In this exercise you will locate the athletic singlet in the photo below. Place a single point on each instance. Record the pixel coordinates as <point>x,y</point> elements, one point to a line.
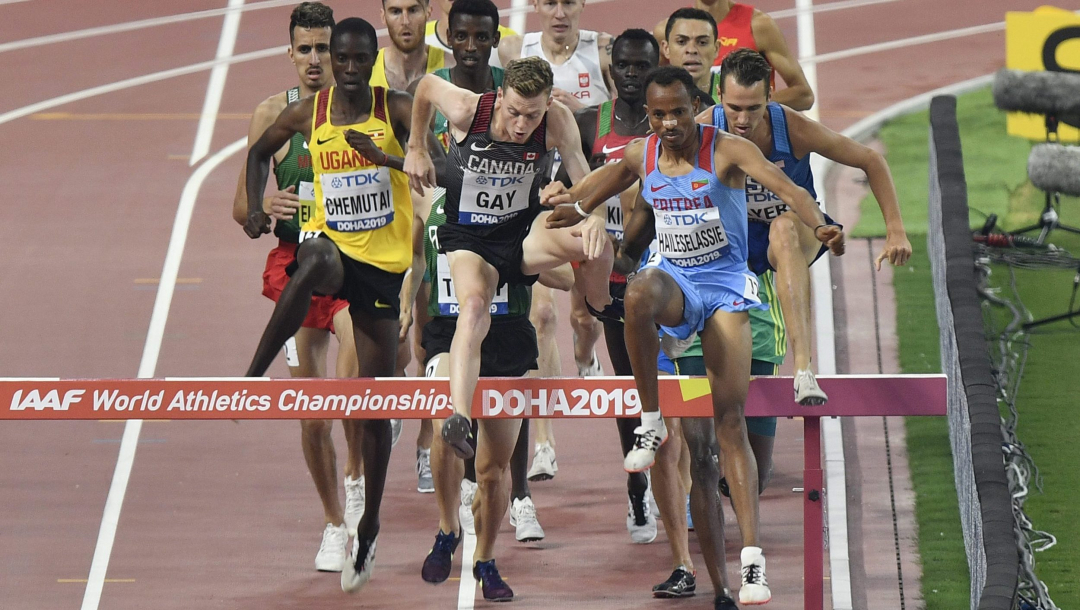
<point>436,58</point>
<point>295,171</point>
<point>610,146</point>
<point>761,204</point>
<point>735,31</point>
<point>510,299</point>
<point>431,37</point>
<point>442,128</point>
<point>580,75</point>
<point>700,222</point>
<point>490,183</point>
<point>364,208</point>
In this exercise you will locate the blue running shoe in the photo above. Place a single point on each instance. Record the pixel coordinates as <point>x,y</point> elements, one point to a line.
<point>440,560</point>
<point>495,588</point>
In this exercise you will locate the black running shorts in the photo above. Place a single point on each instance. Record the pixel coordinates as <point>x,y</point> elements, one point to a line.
<point>509,350</point>
<point>500,246</point>
<point>370,291</point>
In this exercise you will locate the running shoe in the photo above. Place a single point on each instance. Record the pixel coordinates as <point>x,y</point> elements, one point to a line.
<point>332,551</point>
<point>395,431</point>
<point>523,520</point>
<point>807,392</point>
<point>681,583</point>
<point>358,566</point>
<point>724,602</point>
<point>689,517</point>
<point>593,369</point>
<point>495,588</point>
<point>651,497</point>
<point>672,347</point>
<point>354,502</point>
<point>640,520</point>
<point>724,489</point>
<point>440,561</point>
<point>457,431</point>
<point>647,442</point>
<point>544,465</point>
<point>424,484</point>
<point>755,590</point>
<point>465,514</point>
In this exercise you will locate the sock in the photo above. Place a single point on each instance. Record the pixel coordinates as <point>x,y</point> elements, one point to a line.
<point>652,420</point>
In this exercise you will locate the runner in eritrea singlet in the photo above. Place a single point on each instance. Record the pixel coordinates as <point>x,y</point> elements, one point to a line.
<point>735,31</point>
<point>365,209</point>
<point>489,184</point>
<point>295,171</point>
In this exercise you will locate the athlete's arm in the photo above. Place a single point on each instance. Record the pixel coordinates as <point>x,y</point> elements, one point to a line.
<point>295,118</point>
<point>637,235</point>
<point>809,136</point>
<point>509,48</point>
<point>456,104</point>
<point>563,135</point>
<point>735,152</point>
<point>281,204</point>
<point>586,121</point>
<point>595,188</point>
<point>770,41</point>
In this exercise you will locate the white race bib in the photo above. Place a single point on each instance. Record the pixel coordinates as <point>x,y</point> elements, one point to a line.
<point>448,303</point>
<point>761,204</point>
<point>614,214</point>
<point>690,238</point>
<point>358,201</point>
<point>491,199</point>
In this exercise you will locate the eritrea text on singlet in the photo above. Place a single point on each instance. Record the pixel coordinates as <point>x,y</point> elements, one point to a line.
<point>364,208</point>
<point>490,183</point>
<point>510,299</point>
<point>295,171</point>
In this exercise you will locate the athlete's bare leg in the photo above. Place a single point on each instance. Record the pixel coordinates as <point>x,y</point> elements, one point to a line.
<point>494,448</point>
<point>315,439</point>
<point>726,344</point>
<point>346,367</point>
<point>544,315</point>
<point>586,329</point>
<point>420,320</point>
<point>446,470</point>
<point>670,494</point>
<point>792,248</point>
<point>545,249</point>
<point>475,281</point>
<point>705,508</point>
<point>652,298</point>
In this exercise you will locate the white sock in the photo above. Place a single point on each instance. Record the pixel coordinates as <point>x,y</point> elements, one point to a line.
<point>652,420</point>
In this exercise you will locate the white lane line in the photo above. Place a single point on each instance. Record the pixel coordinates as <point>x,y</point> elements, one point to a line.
<point>147,366</point>
<point>128,26</point>
<point>835,471</point>
<point>905,42</point>
<point>230,28</point>
<point>467,587</point>
<point>12,1</point>
<point>518,9</point>
<point>827,7</point>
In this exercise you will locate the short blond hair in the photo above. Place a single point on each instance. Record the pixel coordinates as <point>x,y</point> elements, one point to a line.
<point>529,76</point>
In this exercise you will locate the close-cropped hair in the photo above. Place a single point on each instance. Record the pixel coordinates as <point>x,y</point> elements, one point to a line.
<point>695,14</point>
<point>475,8</point>
<point>669,75</point>
<point>310,15</point>
<point>529,76</point>
<point>639,35</point>
<point>354,25</point>
<point>747,67</point>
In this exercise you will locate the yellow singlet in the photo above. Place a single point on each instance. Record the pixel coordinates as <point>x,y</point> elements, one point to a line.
<point>436,58</point>
<point>364,208</point>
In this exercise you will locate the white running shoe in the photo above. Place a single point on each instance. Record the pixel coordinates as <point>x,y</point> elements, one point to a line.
<point>755,590</point>
<point>650,497</point>
<point>332,551</point>
<point>424,484</point>
<point>593,369</point>
<point>640,520</point>
<point>807,392</point>
<point>354,502</point>
<point>465,514</point>
<point>647,442</point>
<point>395,431</point>
<point>673,348</point>
<point>353,576</point>
<point>544,465</point>
<point>523,519</point>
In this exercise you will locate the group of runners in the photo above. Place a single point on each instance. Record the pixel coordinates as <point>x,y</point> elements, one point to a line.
<point>452,182</point>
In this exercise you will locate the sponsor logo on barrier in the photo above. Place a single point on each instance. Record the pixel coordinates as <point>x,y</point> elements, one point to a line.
<point>567,403</point>
<point>51,400</point>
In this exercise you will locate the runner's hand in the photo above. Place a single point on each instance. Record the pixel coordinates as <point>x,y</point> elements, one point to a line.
<point>567,99</point>
<point>257,224</point>
<point>282,205</point>
<point>363,144</point>
<point>897,251</point>
<point>832,236</point>
<point>593,235</point>
<point>555,193</point>
<point>420,169</point>
<point>563,216</point>
<point>405,320</point>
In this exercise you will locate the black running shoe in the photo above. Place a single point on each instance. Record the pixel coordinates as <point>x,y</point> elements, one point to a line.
<point>440,560</point>
<point>680,584</point>
<point>723,602</point>
<point>456,432</point>
<point>724,489</point>
<point>495,588</point>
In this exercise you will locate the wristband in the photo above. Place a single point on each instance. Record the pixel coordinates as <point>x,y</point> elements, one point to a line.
<point>579,210</point>
<point>819,226</point>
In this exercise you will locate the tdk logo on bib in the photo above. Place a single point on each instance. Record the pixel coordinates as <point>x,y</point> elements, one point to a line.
<point>685,219</point>
<point>490,199</point>
<point>358,201</point>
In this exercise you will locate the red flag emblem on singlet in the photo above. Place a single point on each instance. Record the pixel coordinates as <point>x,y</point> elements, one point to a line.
<point>698,184</point>
<point>583,80</point>
<point>530,156</point>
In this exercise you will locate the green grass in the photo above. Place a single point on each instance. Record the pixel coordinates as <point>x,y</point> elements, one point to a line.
<point>994,165</point>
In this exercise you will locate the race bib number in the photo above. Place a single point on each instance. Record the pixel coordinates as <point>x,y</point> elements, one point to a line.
<point>761,204</point>
<point>491,199</point>
<point>358,201</point>
<point>448,303</point>
<point>614,222</point>
<point>691,238</point>
<point>306,194</point>
<point>750,290</point>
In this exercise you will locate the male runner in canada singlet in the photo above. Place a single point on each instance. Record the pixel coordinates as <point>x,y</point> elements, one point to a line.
<point>698,281</point>
<point>500,147</point>
<point>357,245</point>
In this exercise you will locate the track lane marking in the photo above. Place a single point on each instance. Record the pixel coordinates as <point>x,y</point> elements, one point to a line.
<point>215,89</point>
